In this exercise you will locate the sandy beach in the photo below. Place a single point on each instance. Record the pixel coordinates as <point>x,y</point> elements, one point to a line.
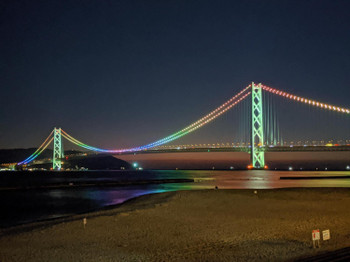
<point>207,225</point>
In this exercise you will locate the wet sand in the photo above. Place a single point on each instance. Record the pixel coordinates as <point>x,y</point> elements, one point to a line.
<point>208,225</point>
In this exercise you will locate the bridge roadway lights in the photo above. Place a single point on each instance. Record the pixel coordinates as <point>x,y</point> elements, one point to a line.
<point>257,153</point>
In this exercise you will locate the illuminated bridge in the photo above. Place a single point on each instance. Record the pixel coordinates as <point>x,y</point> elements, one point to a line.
<point>263,132</point>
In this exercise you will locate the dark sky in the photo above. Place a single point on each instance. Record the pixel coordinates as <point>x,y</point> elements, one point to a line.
<point>125,73</point>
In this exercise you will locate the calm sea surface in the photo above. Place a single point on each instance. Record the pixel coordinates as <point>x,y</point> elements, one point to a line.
<point>24,206</point>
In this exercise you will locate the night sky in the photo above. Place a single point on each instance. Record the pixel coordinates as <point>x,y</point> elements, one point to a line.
<point>125,73</point>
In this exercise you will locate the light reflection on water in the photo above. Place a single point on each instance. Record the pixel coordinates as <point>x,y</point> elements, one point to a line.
<point>31,205</point>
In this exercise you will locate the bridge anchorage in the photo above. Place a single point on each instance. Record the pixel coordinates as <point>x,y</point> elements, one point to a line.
<point>256,149</point>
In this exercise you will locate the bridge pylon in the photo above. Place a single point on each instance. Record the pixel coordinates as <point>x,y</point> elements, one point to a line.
<point>58,152</point>
<point>257,140</point>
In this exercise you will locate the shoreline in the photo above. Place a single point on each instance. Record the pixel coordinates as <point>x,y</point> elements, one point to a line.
<point>27,226</point>
<point>128,205</point>
<point>142,202</point>
<point>219,225</point>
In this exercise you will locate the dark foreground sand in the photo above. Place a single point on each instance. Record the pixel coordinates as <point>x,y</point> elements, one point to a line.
<point>210,225</point>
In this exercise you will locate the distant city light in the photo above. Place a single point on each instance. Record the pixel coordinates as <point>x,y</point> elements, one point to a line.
<point>135,164</point>
<point>290,168</point>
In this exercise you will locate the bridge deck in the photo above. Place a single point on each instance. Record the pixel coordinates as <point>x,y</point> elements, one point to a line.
<point>243,149</point>
<point>220,149</point>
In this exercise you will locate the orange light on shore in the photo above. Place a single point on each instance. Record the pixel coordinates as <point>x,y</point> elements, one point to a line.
<point>266,167</point>
<point>250,167</point>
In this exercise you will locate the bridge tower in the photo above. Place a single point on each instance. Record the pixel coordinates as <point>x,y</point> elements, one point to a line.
<point>257,141</point>
<point>58,152</point>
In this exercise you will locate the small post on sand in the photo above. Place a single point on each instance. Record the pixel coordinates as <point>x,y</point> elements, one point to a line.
<point>84,222</point>
<point>316,237</point>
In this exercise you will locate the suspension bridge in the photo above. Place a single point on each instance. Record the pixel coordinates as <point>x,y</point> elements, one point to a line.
<point>256,147</point>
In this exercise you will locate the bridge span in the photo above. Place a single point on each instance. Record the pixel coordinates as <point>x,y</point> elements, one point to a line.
<point>258,132</point>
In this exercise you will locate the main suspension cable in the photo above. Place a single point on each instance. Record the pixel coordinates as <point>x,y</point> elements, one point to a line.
<point>40,149</point>
<point>201,122</point>
<point>305,100</point>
